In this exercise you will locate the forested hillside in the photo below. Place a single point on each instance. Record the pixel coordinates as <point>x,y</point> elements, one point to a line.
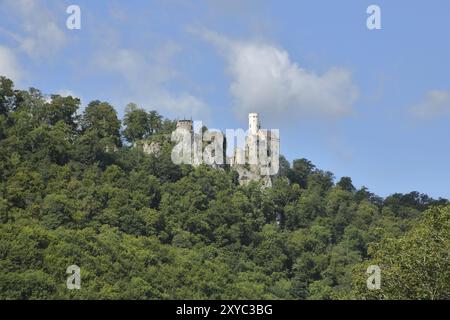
<point>74,190</point>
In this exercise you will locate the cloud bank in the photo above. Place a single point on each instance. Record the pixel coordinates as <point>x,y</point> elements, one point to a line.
<point>265,79</point>
<point>39,34</point>
<point>146,74</point>
<point>435,104</point>
<point>9,66</point>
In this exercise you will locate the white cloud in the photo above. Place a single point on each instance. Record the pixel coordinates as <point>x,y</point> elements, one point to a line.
<point>264,79</point>
<point>40,34</point>
<point>9,67</point>
<point>435,104</point>
<point>66,93</point>
<point>136,67</point>
<point>181,105</point>
<point>118,12</point>
<point>146,74</point>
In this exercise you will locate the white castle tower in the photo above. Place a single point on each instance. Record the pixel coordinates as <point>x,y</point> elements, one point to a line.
<point>253,123</point>
<point>258,154</point>
<point>252,141</point>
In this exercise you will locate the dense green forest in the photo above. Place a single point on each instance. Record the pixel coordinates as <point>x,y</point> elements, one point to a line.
<point>74,190</point>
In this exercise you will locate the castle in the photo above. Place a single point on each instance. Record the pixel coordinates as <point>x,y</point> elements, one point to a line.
<point>255,160</point>
<point>261,154</point>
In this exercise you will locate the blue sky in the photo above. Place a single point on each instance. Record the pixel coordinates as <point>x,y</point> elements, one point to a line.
<point>370,104</point>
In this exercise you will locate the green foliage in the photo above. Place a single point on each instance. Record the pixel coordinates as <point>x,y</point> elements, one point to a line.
<point>101,119</point>
<point>141,227</point>
<point>138,123</point>
<point>413,266</point>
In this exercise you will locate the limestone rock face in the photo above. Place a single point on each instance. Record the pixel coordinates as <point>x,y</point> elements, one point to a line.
<point>248,174</point>
<point>152,148</point>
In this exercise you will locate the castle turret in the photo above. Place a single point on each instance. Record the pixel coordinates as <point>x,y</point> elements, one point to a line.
<point>253,123</point>
<point>185,124</point>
